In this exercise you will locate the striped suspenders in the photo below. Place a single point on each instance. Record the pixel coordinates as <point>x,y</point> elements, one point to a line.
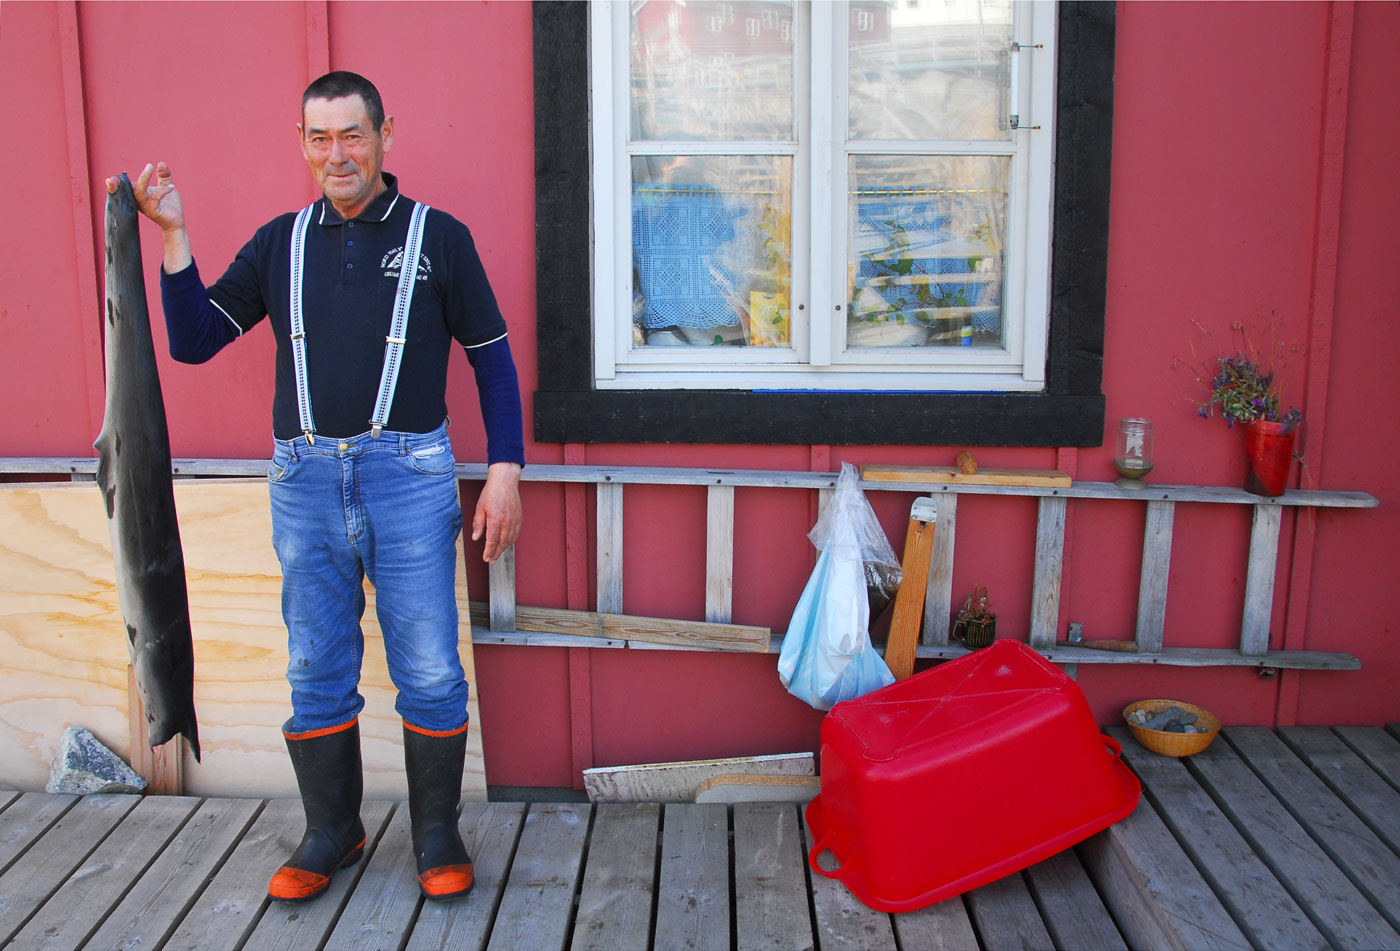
<point>398,331</point>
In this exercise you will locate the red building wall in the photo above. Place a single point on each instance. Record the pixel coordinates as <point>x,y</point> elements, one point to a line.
<point>1252,181</point>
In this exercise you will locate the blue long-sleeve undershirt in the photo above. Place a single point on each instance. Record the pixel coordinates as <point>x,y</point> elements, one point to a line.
<point>198,329</point>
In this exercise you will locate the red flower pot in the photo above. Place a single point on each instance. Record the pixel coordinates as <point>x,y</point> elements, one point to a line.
<point>1268,449</point>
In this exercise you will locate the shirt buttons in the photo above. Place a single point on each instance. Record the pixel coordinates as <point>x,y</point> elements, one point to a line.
<point>350,267</point>
<point>350,223</point>
<point>351,243</point>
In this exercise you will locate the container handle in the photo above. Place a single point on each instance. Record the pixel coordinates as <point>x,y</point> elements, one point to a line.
<point>1113,745</point>
<point>817,850</point>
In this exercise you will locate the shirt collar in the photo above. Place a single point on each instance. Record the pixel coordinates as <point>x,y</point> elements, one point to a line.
<point>377,210</point>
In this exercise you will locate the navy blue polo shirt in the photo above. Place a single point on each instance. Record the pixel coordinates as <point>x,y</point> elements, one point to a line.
<point>350,279</point>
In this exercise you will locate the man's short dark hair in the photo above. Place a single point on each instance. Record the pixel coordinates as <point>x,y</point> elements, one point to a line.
<point>341,83</point>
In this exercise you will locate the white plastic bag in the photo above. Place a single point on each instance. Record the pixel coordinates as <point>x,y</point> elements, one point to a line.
<point>827,656</point>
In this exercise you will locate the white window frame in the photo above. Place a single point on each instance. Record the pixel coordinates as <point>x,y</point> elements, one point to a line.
<point>818,359</point>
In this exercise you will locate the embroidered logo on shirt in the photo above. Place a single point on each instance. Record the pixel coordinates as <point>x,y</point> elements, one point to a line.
<point>394,260</point>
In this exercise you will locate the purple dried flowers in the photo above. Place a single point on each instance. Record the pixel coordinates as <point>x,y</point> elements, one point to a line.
<point>1244,390</point>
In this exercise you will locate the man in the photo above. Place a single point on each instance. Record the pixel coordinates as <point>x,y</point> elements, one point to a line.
<point>365,291</point>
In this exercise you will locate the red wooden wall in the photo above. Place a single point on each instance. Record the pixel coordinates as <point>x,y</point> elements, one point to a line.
<point>1253,180</point>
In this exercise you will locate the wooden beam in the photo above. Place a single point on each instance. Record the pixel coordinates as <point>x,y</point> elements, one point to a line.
<point>719,554</point>
<point>610,547</point>
<point>693,634</point>
<point>938,597</point>
<point>501,582</point>
<point>953,476</point>
<point>1259,580</point>
<point>1156,562</point>
<point>909,601</point>
<point>1049,562</point>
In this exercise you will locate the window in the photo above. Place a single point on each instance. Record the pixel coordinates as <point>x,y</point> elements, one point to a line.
<point>574,403</point>
<point>919,261</point>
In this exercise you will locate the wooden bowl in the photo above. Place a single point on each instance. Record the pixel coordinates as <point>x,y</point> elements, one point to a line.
<point>1172,744</point>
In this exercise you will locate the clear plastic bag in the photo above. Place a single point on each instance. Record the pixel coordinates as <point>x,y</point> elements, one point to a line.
<point>827,656</point>
<point>883,573</point>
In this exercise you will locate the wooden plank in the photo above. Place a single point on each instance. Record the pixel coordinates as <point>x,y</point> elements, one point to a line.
<point>307,924</point>
<point>150,911</point>
<point>622,627</point>
<point>770,891</point>
<point>619,880</point>
<point>41,870</point>
<point>951,475</point>
<point>1006,916</point>
<point>1155,893</point>
<point>1333,903</point>
<point>1049,567</point>
<point>7,796</point>
<point>1173,657</point>
<point>1256,900</point>
<point>1072,910</point>
<point>161,767</point>
<point>489,831</point>
<point>536,908</point>
<point>1359,852</point>
<point>1351,776</point>
<point>732,787</point>
<point>909,601</point>
<point>1156,565</point>
<point>501,591</point>
<point>25,819</point>
<point>945,926</point>
<point>484,635</point>
<point>610,548</point>
<point>1259,579</point>
<point>842,921</point>
<point>679,781</point>
<point>938,597</point>
<point>81,903</point>
<point>380,910</point>
<point>719,554</point>
<point>1379,748</point>
<point>692,895</point>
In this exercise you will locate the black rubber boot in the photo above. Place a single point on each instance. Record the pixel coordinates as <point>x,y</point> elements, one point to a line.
<point>434,763</point>
<point>327,765</point>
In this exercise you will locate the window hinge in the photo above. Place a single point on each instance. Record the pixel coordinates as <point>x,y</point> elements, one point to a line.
<point>1014,119</point>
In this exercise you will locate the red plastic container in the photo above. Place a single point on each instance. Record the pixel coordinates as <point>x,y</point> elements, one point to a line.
<point>1268,449</point>
<point>961,775</point>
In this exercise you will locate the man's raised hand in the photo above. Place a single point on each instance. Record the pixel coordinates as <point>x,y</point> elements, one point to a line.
<point>158,201</point>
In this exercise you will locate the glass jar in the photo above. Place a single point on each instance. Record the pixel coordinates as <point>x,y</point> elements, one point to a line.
<point>1133,454</point>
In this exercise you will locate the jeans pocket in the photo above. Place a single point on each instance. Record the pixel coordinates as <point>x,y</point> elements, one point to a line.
<point>280,465</point>
<point>433,460</point>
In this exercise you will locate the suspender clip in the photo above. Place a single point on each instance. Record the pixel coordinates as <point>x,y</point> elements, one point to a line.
<point>398,340</point>
<point>310,437</point>
<point>375,430</point>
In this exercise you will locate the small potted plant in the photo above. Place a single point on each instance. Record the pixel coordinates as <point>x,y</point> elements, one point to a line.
<point>976,624</point>
<point>1249,394</point>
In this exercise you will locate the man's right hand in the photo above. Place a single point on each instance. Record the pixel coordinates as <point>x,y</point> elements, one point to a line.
<point>160,202</point>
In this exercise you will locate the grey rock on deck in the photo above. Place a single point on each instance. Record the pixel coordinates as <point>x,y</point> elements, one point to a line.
<point>1286,839</point>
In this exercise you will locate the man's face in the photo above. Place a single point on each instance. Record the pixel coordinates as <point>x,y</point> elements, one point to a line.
<point>345,151</point>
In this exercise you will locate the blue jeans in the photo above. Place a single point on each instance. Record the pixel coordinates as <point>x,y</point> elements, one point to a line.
<point>385,508</point>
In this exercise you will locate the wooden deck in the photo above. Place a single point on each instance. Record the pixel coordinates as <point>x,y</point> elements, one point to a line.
<point>1269,839</point>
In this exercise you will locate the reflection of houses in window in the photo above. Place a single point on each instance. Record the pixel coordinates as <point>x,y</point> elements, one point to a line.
<point>715,24</point>
<point>751,26</point>
<point>864,21</point>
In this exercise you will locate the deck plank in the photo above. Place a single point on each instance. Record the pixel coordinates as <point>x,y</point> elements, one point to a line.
<point>1380,748</point>
<point>308,924</point>
<point>1345,918</point>
<point>490,831</point>
<point>1350,777</point>
<point>44,867</point>
<point>1251,892</point>
<point>27,818</point>
<point>945,926</point>
<point>7,796</point>
<point>692,896</point>
<point>1006,916</point>
<point>1074,913</point>
<point>536,908</point>
<point>1157,896</point>
<point>81,903</point>
<point>1359,852</point>
<point>619,878</point>
<point>770,889</point>
<point>385,899</point>
<point>161,896</point>
<point>842,921</point>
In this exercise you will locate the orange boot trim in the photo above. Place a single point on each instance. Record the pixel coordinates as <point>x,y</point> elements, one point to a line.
<point>327,731</point>
<point>447,882</point>
<point>439,733</point>
<point>295,884</point>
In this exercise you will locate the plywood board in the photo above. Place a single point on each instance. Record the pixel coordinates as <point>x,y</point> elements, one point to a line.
<point>950,475</point>
<point>679,782</point>
<point>66,658</point>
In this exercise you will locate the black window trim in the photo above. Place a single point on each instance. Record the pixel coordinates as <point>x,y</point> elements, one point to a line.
<point>1069,412</point>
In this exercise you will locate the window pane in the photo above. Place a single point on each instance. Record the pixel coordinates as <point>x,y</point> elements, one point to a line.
<point>931,70</point>
<point>926,243</point>
<point>711,71</point>
<point>712,250</point>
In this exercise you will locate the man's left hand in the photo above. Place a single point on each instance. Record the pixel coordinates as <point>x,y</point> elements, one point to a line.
<point>498,510</point>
